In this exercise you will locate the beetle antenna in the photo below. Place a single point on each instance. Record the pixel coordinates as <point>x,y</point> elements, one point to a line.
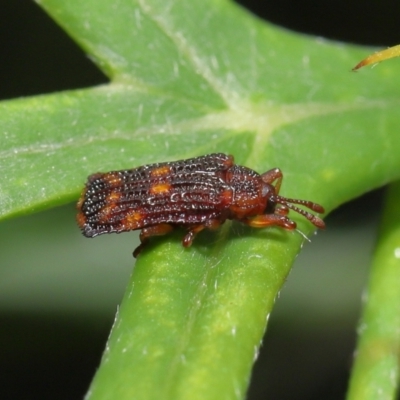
<point>309,204</point>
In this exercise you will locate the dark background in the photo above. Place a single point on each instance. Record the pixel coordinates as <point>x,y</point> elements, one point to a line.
<point>53,354</point>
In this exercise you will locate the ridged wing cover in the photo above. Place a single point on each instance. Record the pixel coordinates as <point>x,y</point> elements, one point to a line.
<point>186,192</point>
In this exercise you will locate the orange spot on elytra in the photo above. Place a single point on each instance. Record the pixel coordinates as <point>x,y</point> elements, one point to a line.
<point>133,220</point>
<point>160,188</point>
<point>112,179</point>
<point>165,170</point>
<point>106,212</point>
<point>113,197</point>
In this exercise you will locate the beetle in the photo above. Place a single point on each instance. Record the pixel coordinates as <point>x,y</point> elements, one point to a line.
<point>196,193</point>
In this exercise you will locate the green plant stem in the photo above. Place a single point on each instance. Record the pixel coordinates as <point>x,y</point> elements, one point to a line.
<point>376,369</point>
<point>190,324</point>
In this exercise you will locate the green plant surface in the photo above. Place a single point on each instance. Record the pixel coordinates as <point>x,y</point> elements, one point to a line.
<point>190,78</point>
<point>376,370</point>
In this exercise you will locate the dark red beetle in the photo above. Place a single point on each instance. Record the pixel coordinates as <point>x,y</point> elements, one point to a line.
<point>196,193</point>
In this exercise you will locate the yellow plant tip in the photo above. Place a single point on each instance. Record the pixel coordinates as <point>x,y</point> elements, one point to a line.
<point>379,56</point>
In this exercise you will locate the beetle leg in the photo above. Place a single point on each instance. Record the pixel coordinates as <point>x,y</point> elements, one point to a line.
<point>264,220</point>
<point>281,210</point>
<point>193,231</point>
<point>271,176</point>
<point>146,233</point>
